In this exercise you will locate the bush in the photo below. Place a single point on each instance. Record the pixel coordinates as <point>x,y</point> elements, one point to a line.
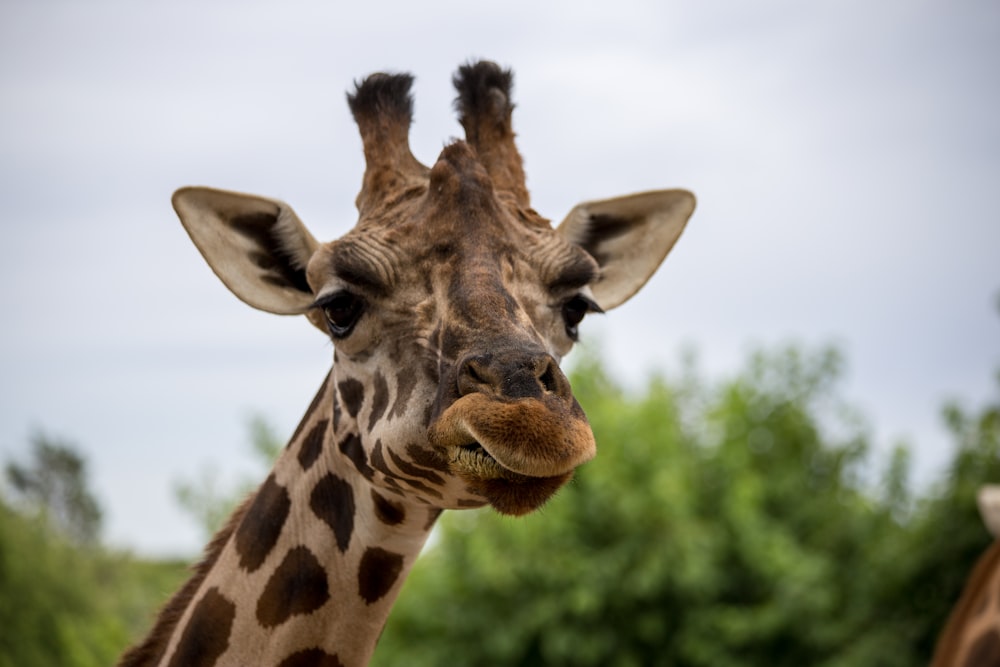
<point>734,525</point>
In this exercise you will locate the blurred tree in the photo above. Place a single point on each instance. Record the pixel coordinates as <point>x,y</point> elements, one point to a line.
<point>65,600</point>
<point>49,600</point>
<point>731,525</point>
<point>54,483</point>
<point>946,529</point>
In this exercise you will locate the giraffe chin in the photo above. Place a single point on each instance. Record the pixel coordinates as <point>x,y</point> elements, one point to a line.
<point>518,497</point>
<point>506,491</point>
<point>514,440</point>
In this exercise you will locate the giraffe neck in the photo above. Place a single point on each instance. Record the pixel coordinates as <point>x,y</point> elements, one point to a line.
<point>307,570</point>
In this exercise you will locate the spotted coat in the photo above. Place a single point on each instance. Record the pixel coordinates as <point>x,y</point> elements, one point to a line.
<point>449,305</point>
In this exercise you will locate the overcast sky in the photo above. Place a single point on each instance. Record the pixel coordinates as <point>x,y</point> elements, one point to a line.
<point>845,154</point>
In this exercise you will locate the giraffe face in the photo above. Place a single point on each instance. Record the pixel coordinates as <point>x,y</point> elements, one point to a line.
<point>450,303</point>
<point>452,309</point>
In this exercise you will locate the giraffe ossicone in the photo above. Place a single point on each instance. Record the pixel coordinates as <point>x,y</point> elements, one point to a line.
<point>450,305</point>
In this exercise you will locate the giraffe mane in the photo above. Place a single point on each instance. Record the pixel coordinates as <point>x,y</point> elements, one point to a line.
<point>152,649</point>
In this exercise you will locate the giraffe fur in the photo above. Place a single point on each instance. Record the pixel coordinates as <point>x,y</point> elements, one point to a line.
<point>449,304</point>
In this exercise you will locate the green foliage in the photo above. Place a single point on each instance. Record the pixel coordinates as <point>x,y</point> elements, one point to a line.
<point>42,609</point>
<point>947,529</point>
<point>733,524</point>
<point>54,484</point>
<point>64,600</point>
<point>728,525</point>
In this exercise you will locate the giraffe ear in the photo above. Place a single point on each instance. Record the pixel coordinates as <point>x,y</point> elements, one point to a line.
<point>258,247</point>
<point>629,237</point>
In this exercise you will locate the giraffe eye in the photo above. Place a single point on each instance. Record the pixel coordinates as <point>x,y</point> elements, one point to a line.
<point>342,311</point>
<point>573,312</point>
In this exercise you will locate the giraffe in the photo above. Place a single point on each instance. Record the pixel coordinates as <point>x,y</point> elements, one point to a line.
<point>971,637</point>
<point>449,304</point>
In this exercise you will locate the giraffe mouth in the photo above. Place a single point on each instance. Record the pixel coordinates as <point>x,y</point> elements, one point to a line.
<point>487,438</point>
<point>473,458</point>
<point>475,451</point>
<point>506,491</point>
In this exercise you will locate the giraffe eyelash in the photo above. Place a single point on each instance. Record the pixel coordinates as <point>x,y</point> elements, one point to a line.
<point>342,310</point>
<point>573,310</point>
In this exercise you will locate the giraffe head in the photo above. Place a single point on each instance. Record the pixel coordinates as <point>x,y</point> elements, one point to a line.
<point>451,301</point>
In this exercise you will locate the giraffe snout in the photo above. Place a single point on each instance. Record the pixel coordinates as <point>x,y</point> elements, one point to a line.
<point>513,376</point>
<point>514,418</point>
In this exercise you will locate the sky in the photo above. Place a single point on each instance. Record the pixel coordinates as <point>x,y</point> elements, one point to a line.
<point>845,155</point>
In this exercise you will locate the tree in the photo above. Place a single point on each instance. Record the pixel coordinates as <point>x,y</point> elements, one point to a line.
<point>946,534</point>
<point>65,600</point>
<point>54,484</point>
<point>45,603</point>
<point>726,525</point>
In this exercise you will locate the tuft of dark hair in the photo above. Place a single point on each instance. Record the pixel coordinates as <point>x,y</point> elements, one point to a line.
<point>382,94</point>
<point>478,84</point>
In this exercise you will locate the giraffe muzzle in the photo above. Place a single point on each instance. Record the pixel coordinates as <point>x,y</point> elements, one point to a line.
<point>531,437</point>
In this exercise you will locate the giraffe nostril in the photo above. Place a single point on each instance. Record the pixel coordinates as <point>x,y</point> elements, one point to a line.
<point>548,379</point>
<point>512,376</point>
<point>474,375</point>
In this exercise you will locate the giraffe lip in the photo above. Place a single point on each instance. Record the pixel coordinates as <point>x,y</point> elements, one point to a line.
<point>474,459</point>
<point>508,492</point>
<point>525,438</point>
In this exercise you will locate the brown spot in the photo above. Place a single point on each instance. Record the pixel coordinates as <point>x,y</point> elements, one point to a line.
<point>387,511</point>
<point>352,393</point>
<point>298,586</point>
<point>151,650</point>
<point>317,399</point>
<point>985,651</point>
<point>260,528</point>
<point>411,469</point>
<point>312,444</point>
<point>379,462</point>
<point>311,657</point>
<point>352,448</point>
<point>378,572</point>
<point>420,486</point>
<point>427,457</point>
<point>380,400</point>
<point>206,636</point>
<point>332,500</point>
<point>405,384</point>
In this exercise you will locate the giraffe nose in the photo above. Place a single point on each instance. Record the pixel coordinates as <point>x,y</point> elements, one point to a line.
<point>512,375</point>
